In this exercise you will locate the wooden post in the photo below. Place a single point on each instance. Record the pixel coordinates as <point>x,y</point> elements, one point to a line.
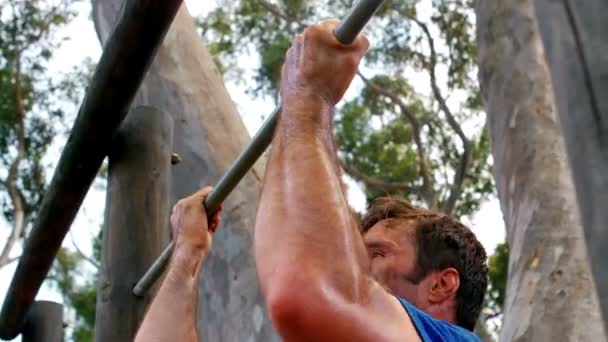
<point>574,37</point>
<point>44,323</point>
<point>125,60</point>
<point>136,219</point>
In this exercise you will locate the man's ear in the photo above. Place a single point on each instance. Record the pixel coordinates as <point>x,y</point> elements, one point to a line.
<point>445,284</point>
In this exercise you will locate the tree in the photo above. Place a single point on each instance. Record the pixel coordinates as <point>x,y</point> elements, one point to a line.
<point>209,134</point>
<point>402,134</point>
<point>579,79</point>
<point>33,111</point>
<point>550,294</point>
<point>498,266</point>
<point>28,107</point>
<point>80,295</point>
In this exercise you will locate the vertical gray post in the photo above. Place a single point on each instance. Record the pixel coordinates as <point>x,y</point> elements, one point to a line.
<point>43,323</point>
<point>574,37</point>
<point>136,219</point>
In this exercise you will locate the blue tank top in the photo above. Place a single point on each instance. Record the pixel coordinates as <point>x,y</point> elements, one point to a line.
<point>434,330</point>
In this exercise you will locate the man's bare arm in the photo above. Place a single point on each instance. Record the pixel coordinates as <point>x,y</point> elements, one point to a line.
<point>311,260</point>
<point>172,313</point>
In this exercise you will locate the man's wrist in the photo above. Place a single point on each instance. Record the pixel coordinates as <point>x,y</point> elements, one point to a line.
<point>187,259</point>
<point>307,106</point>
<point>306,115</point>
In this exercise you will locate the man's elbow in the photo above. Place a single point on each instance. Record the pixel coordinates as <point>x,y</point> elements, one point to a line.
<point>283,309</point>
<point>292,307</point>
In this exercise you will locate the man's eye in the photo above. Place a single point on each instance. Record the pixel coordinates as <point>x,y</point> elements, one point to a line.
<point>376,254</point>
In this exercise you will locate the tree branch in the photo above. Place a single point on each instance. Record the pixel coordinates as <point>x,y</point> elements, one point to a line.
<point>280,15</point>
<point>9,261</point>
<point>389,187</point>
<point>426,192</point>
<point>13,173</point>
<point>83,255</point>
<point>464,164</point>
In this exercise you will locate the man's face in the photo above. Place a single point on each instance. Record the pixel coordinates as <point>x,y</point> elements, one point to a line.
<point>392,252</point>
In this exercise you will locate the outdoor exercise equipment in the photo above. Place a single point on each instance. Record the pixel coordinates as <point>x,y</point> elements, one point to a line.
<point>346,33</point>
<point>127,55</point>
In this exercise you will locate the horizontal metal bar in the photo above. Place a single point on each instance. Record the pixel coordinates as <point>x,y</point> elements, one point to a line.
<point>355,21</point>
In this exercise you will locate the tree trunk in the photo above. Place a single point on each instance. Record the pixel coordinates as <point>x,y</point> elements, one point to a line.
<point>574,36</point>
<point>550,294</point>
<point>208,135</point>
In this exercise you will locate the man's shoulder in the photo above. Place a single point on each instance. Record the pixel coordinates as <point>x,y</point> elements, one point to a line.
<point>432,330</point>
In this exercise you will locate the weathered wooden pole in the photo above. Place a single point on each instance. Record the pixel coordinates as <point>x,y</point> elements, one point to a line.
<point>123,64</point>
<point>43,323</point>
<point>136,219</point>
<point>574,37</point>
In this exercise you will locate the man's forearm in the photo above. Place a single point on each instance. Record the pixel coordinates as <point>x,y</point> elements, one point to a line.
<point>172,314</point>
<point>303,215</point>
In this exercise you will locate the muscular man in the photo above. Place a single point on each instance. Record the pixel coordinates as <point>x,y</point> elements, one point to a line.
<point>321,279</point>
<point>408,274</point>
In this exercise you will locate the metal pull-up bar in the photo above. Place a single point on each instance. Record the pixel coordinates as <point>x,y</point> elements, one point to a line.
<point>346,33</point>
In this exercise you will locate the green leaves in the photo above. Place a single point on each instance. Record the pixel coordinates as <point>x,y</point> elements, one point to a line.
<point>32,106</point>
<point>400,134</point>
<point>80,296</point>
<point>27,39</point>
<point>374,142</point>
<point>498,271</point>
<point>456,26</point>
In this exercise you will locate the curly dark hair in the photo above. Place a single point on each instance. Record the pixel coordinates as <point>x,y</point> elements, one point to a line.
<point>441,242</point>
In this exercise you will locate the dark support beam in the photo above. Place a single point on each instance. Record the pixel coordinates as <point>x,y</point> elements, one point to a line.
<point>346,33</point>
<point>125,60</point>
<point>43,323</point>
<point>574,37</point>
<point>136,219</point>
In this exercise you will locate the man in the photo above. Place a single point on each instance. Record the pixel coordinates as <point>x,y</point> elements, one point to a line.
<point>323,279</point>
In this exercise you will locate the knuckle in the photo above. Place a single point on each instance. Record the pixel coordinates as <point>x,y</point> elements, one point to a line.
<point>364,43</point>
<point>312,31</point>
<point>351,62</point>
<point>330,23</point>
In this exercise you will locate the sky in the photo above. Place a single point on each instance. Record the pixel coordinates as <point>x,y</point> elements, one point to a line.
<point>487,224</point>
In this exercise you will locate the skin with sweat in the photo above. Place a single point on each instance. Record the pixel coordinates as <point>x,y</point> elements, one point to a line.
<point>312,263</point>
<point>175,303</point>
<point>321,279</point>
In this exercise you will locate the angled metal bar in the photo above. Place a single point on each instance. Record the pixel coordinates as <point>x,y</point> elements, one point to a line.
<point>346,33</point>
